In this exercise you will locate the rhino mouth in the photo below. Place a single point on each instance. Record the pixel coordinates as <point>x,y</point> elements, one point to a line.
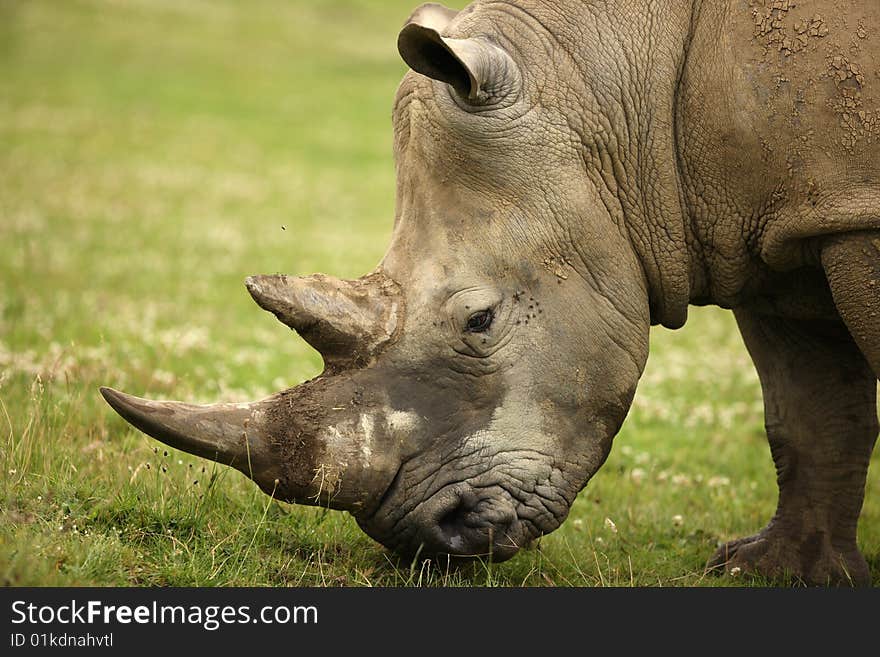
<point>486,517</point>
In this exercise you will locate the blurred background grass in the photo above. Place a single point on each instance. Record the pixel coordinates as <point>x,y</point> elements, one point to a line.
<point>152,155</point>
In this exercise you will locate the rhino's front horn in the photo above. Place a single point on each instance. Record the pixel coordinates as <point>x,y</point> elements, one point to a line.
<point>324,442</point>
<point>231,434</point>
<point>346,321</point>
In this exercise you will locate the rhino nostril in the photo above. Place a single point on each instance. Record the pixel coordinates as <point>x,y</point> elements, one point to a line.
<point>452,522</point>
<point>476,526</point>
<point>462,529</point>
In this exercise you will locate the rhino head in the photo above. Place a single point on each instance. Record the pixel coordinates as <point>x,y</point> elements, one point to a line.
<point>475,379</point>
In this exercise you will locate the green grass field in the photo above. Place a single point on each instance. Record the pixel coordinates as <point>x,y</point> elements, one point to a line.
<point>152,155</point>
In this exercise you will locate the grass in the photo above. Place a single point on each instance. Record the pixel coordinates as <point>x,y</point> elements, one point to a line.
<point>152,155</point>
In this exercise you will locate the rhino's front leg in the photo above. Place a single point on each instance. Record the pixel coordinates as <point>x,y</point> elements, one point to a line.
<point>821,418</point>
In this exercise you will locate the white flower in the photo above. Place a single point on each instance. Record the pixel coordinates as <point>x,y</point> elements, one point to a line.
<point>736,570</point>
<point>718,482</point>
<point>609,524</point>
<point>637,475</point>
<point>677,520</point>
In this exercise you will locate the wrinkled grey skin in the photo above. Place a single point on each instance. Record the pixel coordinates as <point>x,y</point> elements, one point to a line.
<point>570,173</point>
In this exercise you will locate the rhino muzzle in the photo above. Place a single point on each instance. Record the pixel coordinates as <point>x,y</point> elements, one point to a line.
<point>463,522</point>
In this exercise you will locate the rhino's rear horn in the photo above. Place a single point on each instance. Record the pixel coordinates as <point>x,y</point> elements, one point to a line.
<point>346,321</point>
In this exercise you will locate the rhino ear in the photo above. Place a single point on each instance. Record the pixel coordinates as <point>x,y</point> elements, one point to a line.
<point>481,72</point>
<point>433,15</point>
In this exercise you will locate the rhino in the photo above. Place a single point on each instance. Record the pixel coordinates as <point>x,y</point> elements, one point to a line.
<point>570,173</point>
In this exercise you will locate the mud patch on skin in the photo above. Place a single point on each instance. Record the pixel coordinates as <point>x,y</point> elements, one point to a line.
<point>821,61</point>
<point>778,32</point>
<point>333,450</point>
<point>401,424</point>
<point>326,482</point>
<point>782,34</point>
<point>557,265</point>
<point>859,122</point>
<point>293,423</point>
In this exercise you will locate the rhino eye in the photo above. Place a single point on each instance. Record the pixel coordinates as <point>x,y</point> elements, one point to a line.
<point>479,321</point>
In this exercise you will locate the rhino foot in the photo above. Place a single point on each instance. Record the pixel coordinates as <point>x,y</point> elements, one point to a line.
<point>810,560</point>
